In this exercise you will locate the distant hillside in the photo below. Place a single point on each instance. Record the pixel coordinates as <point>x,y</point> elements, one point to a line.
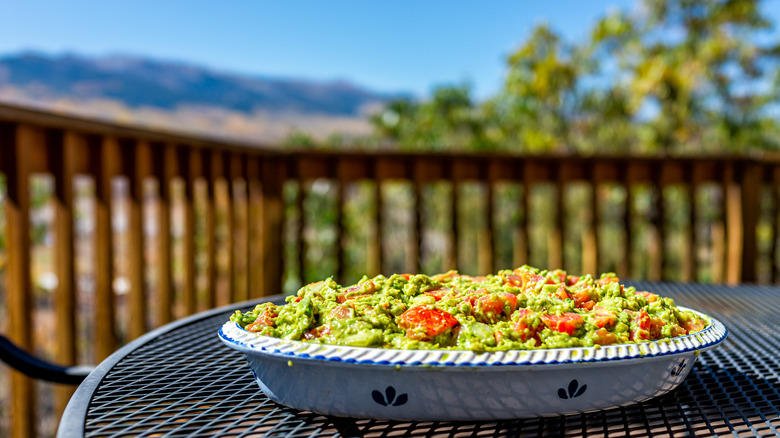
<point>170,94</point>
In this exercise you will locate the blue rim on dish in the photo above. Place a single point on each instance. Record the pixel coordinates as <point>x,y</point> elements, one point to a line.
<point>238,338</point>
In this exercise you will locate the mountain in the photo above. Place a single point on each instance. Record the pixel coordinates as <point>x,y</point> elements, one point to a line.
<point>142,90</point>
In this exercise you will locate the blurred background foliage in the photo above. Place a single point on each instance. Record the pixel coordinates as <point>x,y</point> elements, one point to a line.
<point>669,77</point>
<point>672,76</point>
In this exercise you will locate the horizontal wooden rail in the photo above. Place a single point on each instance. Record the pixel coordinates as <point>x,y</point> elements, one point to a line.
<point>202,222</point>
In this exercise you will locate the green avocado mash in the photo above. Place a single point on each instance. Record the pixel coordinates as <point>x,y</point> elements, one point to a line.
<point>518,309</point>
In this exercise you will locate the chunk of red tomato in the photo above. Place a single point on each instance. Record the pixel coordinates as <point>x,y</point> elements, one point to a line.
<point>266,319</point>
<point>491,307</point>
<point>356,291</point>
<point>566,323</point>
<point>423,323</point>
<point>561,293</point>
<point>528,279</point>
<point>693,325</point>
<point>649,296</point>
<point>646,327</point>
<point>439,293</point>
<point>340,312</point>
<point>317,332</point>
<point>604,337</point>
<point>582,298</point>
<point>522,324</point>
<point>603,317</point>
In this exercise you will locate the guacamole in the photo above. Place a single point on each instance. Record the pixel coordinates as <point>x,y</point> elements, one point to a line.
<point>524,308</point>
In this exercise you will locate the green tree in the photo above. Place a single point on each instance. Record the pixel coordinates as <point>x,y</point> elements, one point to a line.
<point>676,76</point>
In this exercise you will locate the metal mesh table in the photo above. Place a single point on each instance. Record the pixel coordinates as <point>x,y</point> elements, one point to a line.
<point>180,380</point>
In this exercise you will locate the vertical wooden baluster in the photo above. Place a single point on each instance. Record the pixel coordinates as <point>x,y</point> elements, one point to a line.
<point>690,265</point>
<point>137,168</point>
<point>340,225</point>
<point>300,236</point>
<point>187,163</point>
<point>104,168</point>
<point>658,271</point>
<point>750,208</point>
<point>520,253</point>
<point>165,169</point>
<point>556,236</point>
<point>211,175</point>
<point>16,166</point>
<point>734,225</point>
<point>63,150</point>
<point>590,236</point>
<point>624,265</point>
<point>255,221</point>
<point>657,249</point>
<point>415,236</point>
<point>718,231</point>
<point>487,248</point>
<point>273,175</point>
<point>237,290</point>
<point>375,247</point>
<point>774,191</point>
<point>452,261</point>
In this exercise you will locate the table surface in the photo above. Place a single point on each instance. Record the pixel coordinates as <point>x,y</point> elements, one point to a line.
<point>180,380</point>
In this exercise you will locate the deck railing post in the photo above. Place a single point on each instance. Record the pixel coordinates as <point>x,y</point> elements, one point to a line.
<point>105,153</point>
<point>63,149</point>
<point>274,171</point>
<point>15,163</point>
<point>752,176</point>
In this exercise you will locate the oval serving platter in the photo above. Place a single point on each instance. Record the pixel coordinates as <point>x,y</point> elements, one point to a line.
<point>459,385</point>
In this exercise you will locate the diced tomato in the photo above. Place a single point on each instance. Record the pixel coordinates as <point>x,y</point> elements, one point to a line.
<point>340,312</point>
<point>556,277</point>
<point>521,325</point>
<point>566,323</point>
<point>318,332</point>
<point>604,337</point>
<point>406,277</point>
<point>693,325</point>
<point>356,291</point>
<point>509,300</point>
<point>423,323</point>
<point>562,293</point>
<point>514,280</point>
<point>451,275</point>
<point>642,320</point>
<point>316,286</point>
<point>439,293</point>
<point>491,307</point>
<point>572,280</point>
<point>265,319</point>
<point>677,331</point>
<point>521,319</point>
<point>649,296</point>
<point>588,305</point>
<point>582,296</point>
<point>646,327</point>
<point>603,281</point>
<point>528,278</point>
<point>603,317</point>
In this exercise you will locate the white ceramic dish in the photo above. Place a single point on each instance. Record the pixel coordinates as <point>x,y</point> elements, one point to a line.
<point>462,385</point>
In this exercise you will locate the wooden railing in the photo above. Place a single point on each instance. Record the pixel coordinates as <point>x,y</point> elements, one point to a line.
<point>208,222</point>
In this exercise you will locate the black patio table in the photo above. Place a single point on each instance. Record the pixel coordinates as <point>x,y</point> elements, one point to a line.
<point>180,380</point>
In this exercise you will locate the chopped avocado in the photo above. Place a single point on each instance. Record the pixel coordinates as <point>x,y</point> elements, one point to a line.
<point>519,309</point>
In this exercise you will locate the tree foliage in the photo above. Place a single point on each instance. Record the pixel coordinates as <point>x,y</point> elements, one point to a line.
<point>674,76</point>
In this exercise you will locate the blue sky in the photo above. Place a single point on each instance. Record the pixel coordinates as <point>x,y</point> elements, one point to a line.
<point>400,45</point>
